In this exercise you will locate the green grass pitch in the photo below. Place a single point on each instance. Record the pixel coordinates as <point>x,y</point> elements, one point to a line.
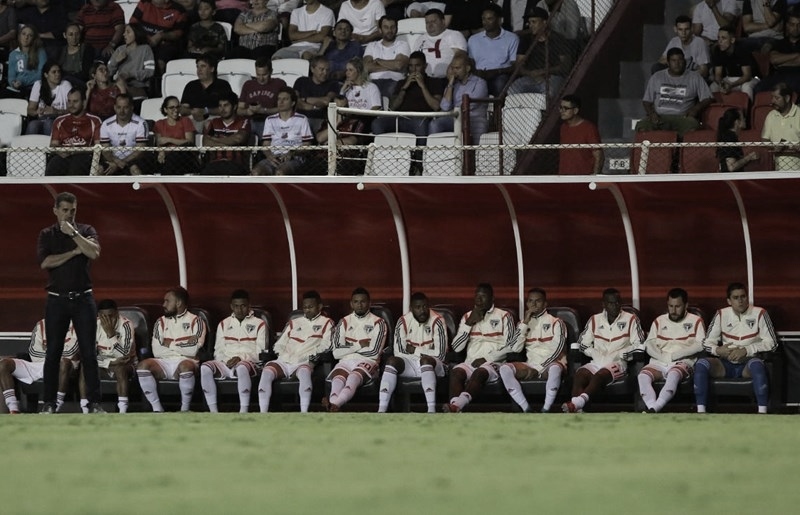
<point>354,463</point>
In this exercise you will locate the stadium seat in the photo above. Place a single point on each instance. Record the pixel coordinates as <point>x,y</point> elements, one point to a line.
<point>522,114</point>
<point>712,114</point>
<point>763,64</point>
<point>487,161</point>
<point>738,99</point>
<point>383,159</point>
<point>762,98</point>
<point>757,117</point>
<point>237,66</point>
<point>174,83</point>
<point>659,160</point>
<point>765,154</point>
<point>699,159</point>
<point>411,29</point>
<point>290,70</point>
<point>14,105</point>
<point>27,164</point>
<point>442,161</point>
<point>151,109</point>
<point>236,80</point>
<point>128,6</point>
<point>181,66</point>
<point>10,128</point>
<point>228,28</point>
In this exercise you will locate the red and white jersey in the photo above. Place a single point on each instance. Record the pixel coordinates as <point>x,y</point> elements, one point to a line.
<point>285,134</point>
<point>351,330</point>
<point>377,50</point>
<point>440,50</point>
<point>75,131</point>
<point>751,330</point>
<point>243,339</point>
<point>427,339</point>
<point>119,345</point>
<point>611,342</point>
<point>186,332</point>
<point>543,338</point>
<point>124,137</point>
<point>669,342</point>
<point>302,338</point>
<point>490,339</point>
<point>38,346</point>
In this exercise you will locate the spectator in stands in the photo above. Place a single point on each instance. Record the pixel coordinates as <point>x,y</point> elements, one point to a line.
<point>116,353</point>
<point>488,333</point>
<point>164,23</point>
<point>609,339</point>
<point>461,81</point>
<point>673,344</point>
<point>283,131</point>
<point>316,92</point>
<point>732,159</point>
<point>259,97</point>
<point>420,346</point>
<point>126,135</point>
<point>28,371</point>
<point>695,50</point>
<point>8,31</point>
<point>258,32</point>
<point>309,25</point>
<point>542,337</point>
<point>710,15</point>
<point>564,17</point>
<point>174,131</point>
<point>74,129</point>
<point>206,36</point>
<point>284,9</point>
<point>785,57</point>
<point>417,93</point>
<point>543,68</point>
<point>101,92</point>
<point>386,59</point>
<point>50,20</point>
<point>25,64</point>
<point>735,338</point>
<point>464,16</point>
<point>240,339</point>
<point>340,48</point>
<point>494,50</point>
<point>228,130</point>
<point>733,66</point>
<point>48,99</point>
<point>674,98</point>
<point>301,342</point>
<point>357,92</point>
<point>201,96</point>
<point>782,126</point>
<point>762,22</point>
<point>576,130</point>
<point>364,16</point>
<point>229,10</point>
<point>358,343</point>
<point>102,22</point>
<point>440,44</point>
<point>418,9</point>
<point>133,61</point>
<point>178,337</point>
<point>76,57</point>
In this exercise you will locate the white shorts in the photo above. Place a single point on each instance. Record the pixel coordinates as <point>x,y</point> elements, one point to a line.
<point>221,370</point>
<point>170,367</point>
<point>684,367</point>
<point>489,367</point>
<point>367,366</point>
<point>289,369</point>
<point>413,367</point>
<point>616,368</point>
<point>28,372</point>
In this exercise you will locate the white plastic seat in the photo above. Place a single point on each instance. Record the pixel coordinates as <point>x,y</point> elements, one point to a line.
<point>228,28</point>
<point>182,65</point>
<point>28,164</point>
<point>151,109</point>
<point>128,6</point>
<point>236,80</point>
<point>442,161</point>
<point>14,105</point>
<point>237,66</point>
<point>174,83</point>
<point>411,29</point>
<point>299,67</point>
<point>384,159</point>
<point>487,161</point>
<point>10,128</point>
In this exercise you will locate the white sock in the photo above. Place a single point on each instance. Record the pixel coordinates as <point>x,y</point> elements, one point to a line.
<point>186,386</point>
<point>508,375</point>
<point>337,385</point>
<point>762,410</point>
<point>245,383</point>
<point>646,390</point>
<point>701,408</point>
<point>668,392</point>
<point>462,400</point>
<point>580,401</point>
<point>551,386</point>
<point>85,406</point>
<point>150,389</point>
<point>122,404</point>
<point>11,399</point>
<point>428,380</point>
<point>388,384</point>
<point>265,389</point>
<point>304,390</point>
<point>354,380</point>
<point>60,396</point>
<point>209,388</point>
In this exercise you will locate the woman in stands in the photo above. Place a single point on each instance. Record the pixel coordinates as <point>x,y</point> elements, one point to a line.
<point>76,57</point>
<point>25,64</point>
<point>174,131</point>
<point>257,29</point>
<point>48,99</point>
<point>732,159</point>
<point>357,92</point>
<point>133,62</point>
<point>101,93</point>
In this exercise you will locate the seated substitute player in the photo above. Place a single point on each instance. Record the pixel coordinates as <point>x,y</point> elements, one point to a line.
<point>302,340</point>
<point>543,338</point>
<point>734,338</point>
<point>420,345</point>
<point>33,370</point>
<point>609,339</point>
<point>116,352</point>
<point>240,339</point>
<point>488,333</point>
<point>357,343</point>
<point>177,338</point>
<point>673,343</point>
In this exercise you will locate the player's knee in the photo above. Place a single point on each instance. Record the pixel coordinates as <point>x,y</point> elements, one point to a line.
<point>702,366</point>
<point>7,366</point>
<point>206,370</point>
<point>186,366</point>
<point>395,362</point>
<point>427,360</point>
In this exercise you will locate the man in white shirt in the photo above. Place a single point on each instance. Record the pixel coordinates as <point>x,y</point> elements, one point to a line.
<point>710,15</point>
<point>309,25</point>
<point>440,44</point>
<point>365,17</point>
<point>284,131</point>
<point>387,59</point>
<point>124,133</point>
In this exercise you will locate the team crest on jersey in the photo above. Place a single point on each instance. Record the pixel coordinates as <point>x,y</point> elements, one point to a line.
<point>186,326</point>
<point>545,327</point>
<point>427,329</point>
<point>368,329</point>
<point>750,323</point>
<point>687,327</point>
<point>250,328</point>
<point>621,325</point>
<point>494,323</point>
<point>316,328</point>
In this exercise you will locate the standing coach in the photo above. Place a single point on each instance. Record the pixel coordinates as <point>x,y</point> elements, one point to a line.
<point>66,250</point>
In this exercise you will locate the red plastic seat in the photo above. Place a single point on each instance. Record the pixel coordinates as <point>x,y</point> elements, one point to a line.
<point>659,159</point>
<point>765,157</point>
<point>699,159</point>
<point>713,113</point>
